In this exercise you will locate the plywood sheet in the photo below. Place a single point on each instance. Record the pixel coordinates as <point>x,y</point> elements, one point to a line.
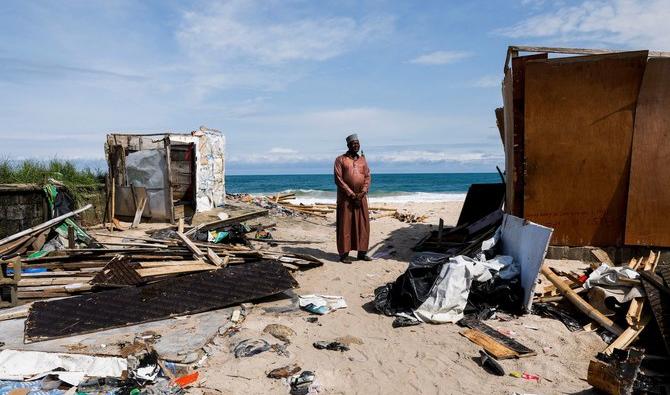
<point>649,190</point>
<point>578,134</point>
<point>517,140</point>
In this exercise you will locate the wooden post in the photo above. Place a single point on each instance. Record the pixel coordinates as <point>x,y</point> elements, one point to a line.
<point>112,205</point>
<point>580,303</point>
<point>70,238</point>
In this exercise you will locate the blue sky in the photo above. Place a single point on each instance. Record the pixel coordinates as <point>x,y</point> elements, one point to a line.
<point>287,80</point>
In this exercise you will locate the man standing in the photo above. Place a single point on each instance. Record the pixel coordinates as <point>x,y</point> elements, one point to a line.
<point>352,177</point>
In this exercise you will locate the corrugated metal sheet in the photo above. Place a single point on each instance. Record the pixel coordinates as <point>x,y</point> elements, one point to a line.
<point>172,297</point>
<point>119,272</point>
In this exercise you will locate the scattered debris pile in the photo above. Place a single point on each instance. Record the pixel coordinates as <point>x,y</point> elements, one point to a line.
<point>636,297</point>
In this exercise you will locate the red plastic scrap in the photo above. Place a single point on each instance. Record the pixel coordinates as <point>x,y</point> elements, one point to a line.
<point>183,381</point>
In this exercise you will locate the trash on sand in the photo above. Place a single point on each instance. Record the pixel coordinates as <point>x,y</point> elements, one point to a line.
<point>349,340</point>
<point>284,371</point>
<point>303,384</point>
<point>71,368</point>
<point>312,320</point>
<point>183,381</point>
<point>402,321</point>
<point>525,376</point>
<point>333,346</point>
<point>250,347</point>
<point>490,364</point>
<point>321,304</point>
<point>281,332</point>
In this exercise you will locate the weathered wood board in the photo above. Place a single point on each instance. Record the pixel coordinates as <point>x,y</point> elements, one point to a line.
<point>578,133</point>
<point>649,189</point>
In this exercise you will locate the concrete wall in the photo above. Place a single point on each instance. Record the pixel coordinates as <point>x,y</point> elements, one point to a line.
<point>21,207</point>
<point>24,206</point>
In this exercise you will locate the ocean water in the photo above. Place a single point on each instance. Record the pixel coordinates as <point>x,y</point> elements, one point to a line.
<point>386,188</point>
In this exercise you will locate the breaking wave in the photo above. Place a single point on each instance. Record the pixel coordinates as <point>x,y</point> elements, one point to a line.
<point>311,196</point>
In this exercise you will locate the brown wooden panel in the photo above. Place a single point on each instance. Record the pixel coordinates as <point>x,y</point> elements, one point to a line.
<point>508,144</point>
<point>578,134</point>
<point>649,190</point>
<point>518,110</point>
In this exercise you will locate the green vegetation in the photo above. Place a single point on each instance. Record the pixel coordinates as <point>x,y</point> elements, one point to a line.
<point>76,181</point>
<point>39,172</point>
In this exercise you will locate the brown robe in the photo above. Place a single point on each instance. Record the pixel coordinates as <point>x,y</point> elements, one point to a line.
<point>352,175</point>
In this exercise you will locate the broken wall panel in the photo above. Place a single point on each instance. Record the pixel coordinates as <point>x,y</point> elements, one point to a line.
<point>649,190</point>
<point>517,138</point>
<point>172,297</point>
<point>508,141</point>
<point>579,114</point>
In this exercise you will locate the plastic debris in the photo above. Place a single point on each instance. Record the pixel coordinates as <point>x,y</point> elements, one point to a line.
<point>250,347</point>
<point>303,384</point>
<point>333,346</point>
<point>183,381</point>
<point>525,376</point>
<point>490,364</point>
<point>321,304</point>
<point>284,371</point>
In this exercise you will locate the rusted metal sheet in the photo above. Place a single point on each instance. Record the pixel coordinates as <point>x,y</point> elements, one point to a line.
<point>649,190</point>
<point>119,272</point>
<point>578,133</point>
<point>172,297</point>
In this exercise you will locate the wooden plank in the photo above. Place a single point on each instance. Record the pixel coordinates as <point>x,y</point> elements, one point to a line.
<point>601,256</point>
<point>516,173</point>
<point>215,259</point>
<point>649,189</point>
<point>580,303</point>
<point>70,238</point>
<point>578,134</point>
<point>180,225</point>
<point>28,282</point>
<point>627,337</point>
<point>189,244</point>
<point>160,271</point>
<point>508,145</point>
<point>138,214</point>
<point>229,221</point>
<point>494,348</point>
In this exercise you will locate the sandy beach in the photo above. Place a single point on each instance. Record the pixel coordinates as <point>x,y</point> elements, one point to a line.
<point>425,359</point>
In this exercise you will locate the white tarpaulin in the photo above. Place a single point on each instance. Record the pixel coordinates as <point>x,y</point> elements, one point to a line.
<point>449,294</point>
<point>20,365</point>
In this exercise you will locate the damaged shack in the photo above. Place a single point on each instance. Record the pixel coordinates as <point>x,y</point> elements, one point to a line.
<point>585,138</point>
<point>175,175</point>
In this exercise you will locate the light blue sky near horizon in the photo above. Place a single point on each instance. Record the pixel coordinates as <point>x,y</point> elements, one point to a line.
<point>286,81</point>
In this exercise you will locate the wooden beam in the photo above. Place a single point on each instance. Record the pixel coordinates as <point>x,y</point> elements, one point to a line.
<point>580,303</point>
<point>228,221</point>
<point>189,244</point>
<point>215,259</point>
<point>160,271</point>
<point>628,336</point>
<point>139,211</point>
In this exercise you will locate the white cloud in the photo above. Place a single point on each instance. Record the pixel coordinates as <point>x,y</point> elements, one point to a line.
<point>281,150</point>
<point>248,29</point>
<point>641,24</point>
<point>441,57</point>
<point>488,81</point>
